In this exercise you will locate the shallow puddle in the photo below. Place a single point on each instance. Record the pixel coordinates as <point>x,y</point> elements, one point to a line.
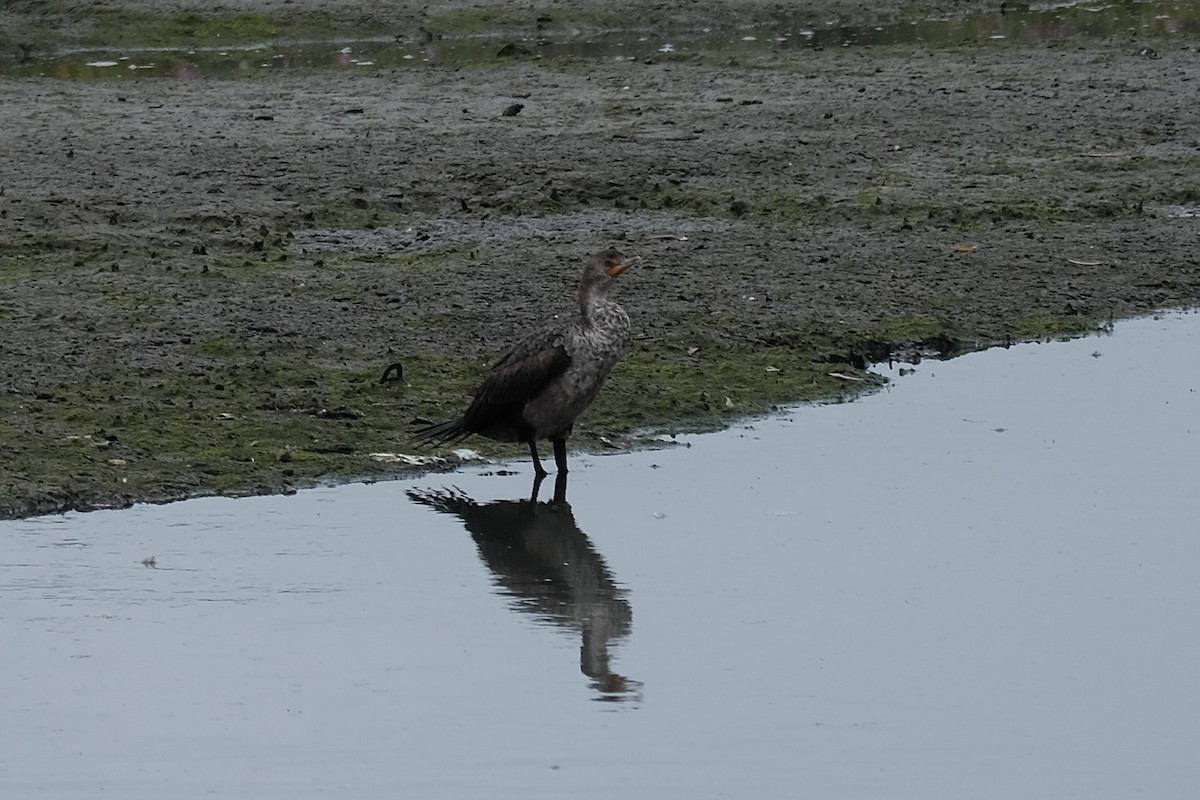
<point>1020,24</point>
<point>976,583</point>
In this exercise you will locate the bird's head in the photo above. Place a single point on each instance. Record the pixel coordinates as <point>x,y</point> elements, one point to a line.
<point>603,269</point>
<point>615,263</point>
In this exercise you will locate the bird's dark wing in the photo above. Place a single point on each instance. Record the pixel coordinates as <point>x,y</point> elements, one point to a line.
<point>526,369</point>
<point>514,380</point>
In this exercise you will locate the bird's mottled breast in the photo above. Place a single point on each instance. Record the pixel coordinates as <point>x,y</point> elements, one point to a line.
<point>602,339</point>
<point>595,343</point>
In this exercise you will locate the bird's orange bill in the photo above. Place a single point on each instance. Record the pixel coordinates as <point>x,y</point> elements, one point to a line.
<point>614,268</point>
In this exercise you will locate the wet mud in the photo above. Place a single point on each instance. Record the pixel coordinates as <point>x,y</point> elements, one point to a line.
<point>202,279</point>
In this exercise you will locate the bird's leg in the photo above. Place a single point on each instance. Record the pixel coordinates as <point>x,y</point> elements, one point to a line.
<point>538,469</point>
<point>560,488</point>
<point>560,455</point>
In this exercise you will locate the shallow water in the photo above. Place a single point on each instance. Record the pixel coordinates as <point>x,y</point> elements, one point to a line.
<point>1022,24</point>
<point>977,583</point>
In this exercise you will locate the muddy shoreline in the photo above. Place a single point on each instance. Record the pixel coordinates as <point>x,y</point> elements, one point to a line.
<point>202,280</point>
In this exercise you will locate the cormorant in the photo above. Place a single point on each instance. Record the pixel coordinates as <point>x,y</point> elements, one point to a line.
<point>543,384</point>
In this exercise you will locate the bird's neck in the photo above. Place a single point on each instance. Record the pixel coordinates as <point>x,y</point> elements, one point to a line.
<point>594,310</point>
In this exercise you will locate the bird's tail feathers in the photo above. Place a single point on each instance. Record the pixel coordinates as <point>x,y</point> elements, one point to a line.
<point>441,433</point>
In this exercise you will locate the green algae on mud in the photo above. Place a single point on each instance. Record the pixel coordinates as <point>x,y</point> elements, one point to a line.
<point>115,27</point>
<point>241,426</point>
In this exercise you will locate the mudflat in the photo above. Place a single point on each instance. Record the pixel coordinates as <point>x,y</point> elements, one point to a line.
<point>203,278</point>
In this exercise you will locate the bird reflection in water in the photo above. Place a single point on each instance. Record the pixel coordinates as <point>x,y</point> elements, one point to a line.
<point>540,558</point>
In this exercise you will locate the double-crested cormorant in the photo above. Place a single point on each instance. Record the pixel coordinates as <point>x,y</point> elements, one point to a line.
<point>543,384</point>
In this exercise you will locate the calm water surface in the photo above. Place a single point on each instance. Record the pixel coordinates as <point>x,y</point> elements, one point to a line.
<point>979,583</point>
